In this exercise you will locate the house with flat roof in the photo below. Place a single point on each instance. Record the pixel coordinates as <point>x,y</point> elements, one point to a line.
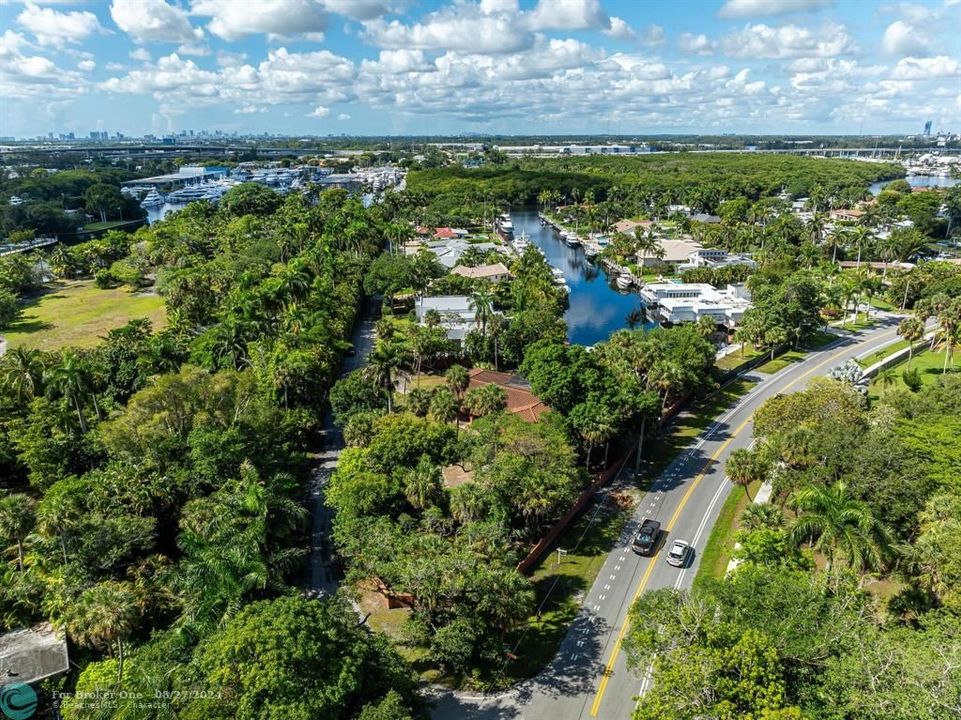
<point>676,303</point>
<point>715,258</point>
<point>492,273</point>
<point>29,655</point>
<point>449,251</point>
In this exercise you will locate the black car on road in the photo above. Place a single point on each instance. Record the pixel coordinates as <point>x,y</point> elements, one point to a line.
<point>646,539</point>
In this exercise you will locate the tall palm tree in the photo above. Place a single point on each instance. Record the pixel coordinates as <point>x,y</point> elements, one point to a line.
<point>834,239</point>
<point>839,525</point>
<point>912,330</point>
<point>69,378</point>
<point>16,520</point>
<point>743,468</point>
<point>21,373</point>
<point>106,613</point>
<point>386,359</point>
<point>457,379</point>
<point>444,406</point>
<point>482,304</point>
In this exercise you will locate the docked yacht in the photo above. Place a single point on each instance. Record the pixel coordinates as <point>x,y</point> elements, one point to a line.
<point>624,280</point>
<point>152,199</point>
<point>559,279</point>
<point>571,238</point>
<point>505,225</point>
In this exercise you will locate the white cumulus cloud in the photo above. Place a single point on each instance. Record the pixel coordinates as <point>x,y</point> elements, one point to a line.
<point>319,112</point>
<point>233,20</point>
<point>153,21</point>
<point>767,8</point>
<point>902,38</point>
<point>912,68</point>
<point>789,41</point>
<point>56,28</point>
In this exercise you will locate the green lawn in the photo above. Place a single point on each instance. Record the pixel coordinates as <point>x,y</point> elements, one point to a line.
<point>928,364</point>
<point>720,545</point>
<point>883,353</point>
<point>80,314</point>
<point>781,361</point>
<point>108,225</point>
<point>739,356</point>
<point>862,322</point>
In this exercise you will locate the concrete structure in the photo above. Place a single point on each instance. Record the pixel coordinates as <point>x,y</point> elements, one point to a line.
<point>33,654</point>
<point>456,315</point>
<point>714,258</point>
<point>675,303</point>
<point>492,273</point>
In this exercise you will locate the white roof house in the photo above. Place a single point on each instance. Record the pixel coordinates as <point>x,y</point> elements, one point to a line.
<point>714,258</point>
<point>456,315</point>
<point>675,303</point>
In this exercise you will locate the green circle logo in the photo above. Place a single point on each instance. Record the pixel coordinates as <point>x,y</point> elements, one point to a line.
<point>18,701</point>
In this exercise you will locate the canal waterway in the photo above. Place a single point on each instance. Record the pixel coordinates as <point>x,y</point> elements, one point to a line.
<point>931,181</point>
<point>597,307</point>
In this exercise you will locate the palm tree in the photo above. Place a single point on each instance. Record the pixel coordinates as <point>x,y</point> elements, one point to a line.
<point>482,305</point>
<point>862,236</point>
<point>834,239</point>
<point>743,468</point>
<point>105,614</point>
<point>444,406</point>
<point>16,520</point>
<point>485,400</point>
<point>706,326</point>
<point>949,327</point>
<point>21,373</point>
<point>69,378</point>
<point>422,484</point>
<point>815,227</point>
<point>912,330</point>
<point>457,379</point>
<point>634,318</point>
<point>838,524</point>
<point>381,365</point>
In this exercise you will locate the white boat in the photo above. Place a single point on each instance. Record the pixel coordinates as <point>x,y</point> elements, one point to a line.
<point>591,251</point>
<point>624,280</point>
<point>16,200</point>
<point>571,238</point>
<point>152,199</point>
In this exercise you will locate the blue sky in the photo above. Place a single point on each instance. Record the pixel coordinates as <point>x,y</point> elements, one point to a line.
<point>501,66</point>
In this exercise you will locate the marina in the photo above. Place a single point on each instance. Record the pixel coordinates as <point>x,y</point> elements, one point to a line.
<point>597,306</point>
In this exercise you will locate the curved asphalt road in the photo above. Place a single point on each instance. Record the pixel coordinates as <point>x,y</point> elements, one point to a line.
<point>588,677</point>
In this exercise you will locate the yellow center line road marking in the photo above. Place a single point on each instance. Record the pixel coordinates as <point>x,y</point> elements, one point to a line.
<point>615,651</point>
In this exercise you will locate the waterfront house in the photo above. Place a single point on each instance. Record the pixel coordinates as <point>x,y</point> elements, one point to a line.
<point>629,226</point>
<point>675,303</point>
<point>675,252</point>
<point>492,273</point>
<point>715,258</point>
<point>852,215</point>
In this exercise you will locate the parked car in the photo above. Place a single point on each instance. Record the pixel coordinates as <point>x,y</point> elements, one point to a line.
<point>680,554</point>
<point>646,539</point>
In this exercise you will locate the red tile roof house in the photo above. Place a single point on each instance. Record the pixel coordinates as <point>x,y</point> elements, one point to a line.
<point>445,233</point>
<point>520,400</point>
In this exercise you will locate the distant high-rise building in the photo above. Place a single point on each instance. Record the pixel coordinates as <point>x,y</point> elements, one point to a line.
<point>927,128</point>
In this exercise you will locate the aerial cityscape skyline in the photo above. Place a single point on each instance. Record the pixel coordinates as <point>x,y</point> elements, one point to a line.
<point>495,66</point>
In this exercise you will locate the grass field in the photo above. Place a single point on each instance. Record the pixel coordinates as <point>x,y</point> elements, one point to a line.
<point>739,356</point>
<point>720,545</point>
<point>928,364</point>
<point>781,361</point>
<point>882,353</point>
<point>80,314</point>
<point>107,225</point>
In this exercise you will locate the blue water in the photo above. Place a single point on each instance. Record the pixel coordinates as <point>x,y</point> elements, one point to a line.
<point>917,181</point>
<point>597,307</point>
